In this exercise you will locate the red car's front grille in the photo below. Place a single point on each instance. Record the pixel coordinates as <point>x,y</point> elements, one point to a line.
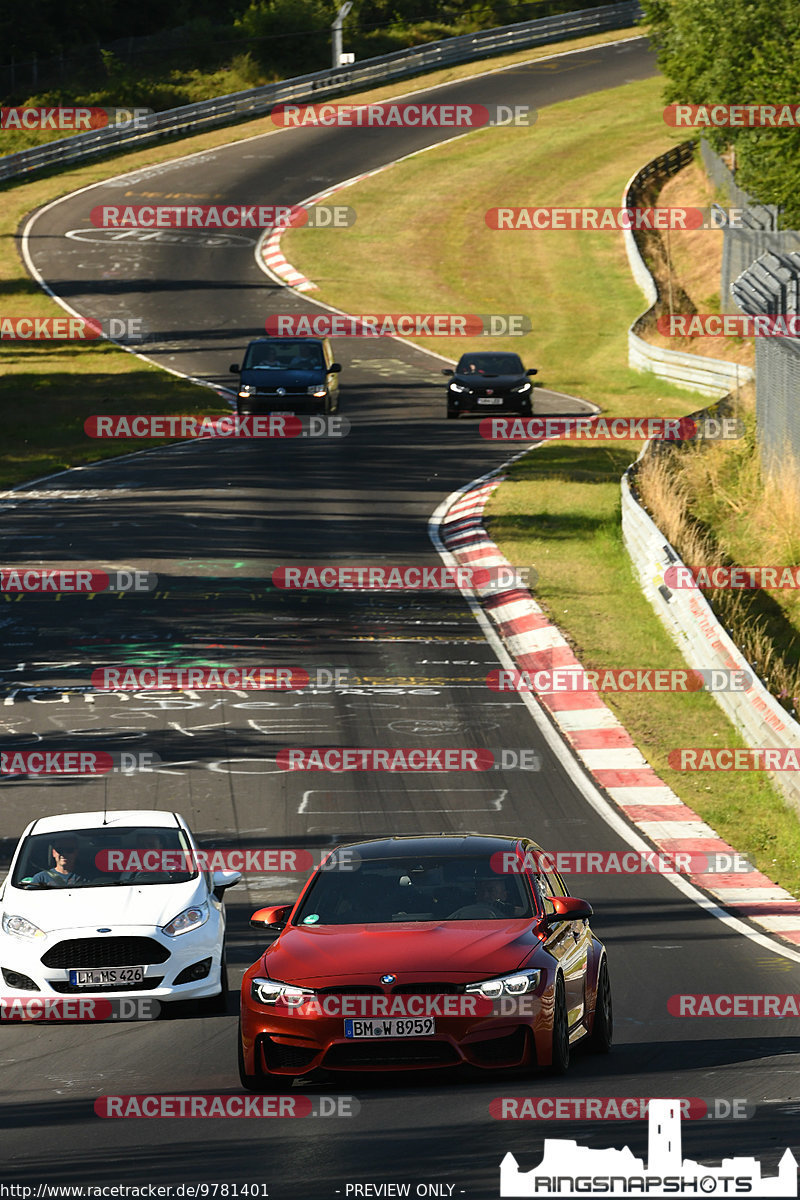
<point>408,1053</point>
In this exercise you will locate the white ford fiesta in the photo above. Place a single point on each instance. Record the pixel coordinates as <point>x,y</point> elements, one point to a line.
<point>102,904</point>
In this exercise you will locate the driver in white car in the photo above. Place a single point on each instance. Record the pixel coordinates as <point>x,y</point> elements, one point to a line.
<point>62,874</point>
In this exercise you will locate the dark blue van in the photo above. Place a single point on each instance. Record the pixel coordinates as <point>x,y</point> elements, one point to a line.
<point>287,374</point>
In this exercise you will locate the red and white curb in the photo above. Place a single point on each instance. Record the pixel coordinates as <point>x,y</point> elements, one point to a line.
<point>271,255</point>
<point>597,737</point>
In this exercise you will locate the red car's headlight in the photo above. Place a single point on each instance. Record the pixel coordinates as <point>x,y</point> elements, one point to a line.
<point>507,985</point>
<point>270,991</point>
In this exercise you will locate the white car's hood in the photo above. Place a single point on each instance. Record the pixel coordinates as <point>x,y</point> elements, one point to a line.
<point>71,909</point>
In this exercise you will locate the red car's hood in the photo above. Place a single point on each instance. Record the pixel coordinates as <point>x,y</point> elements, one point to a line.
<point>459,951</point>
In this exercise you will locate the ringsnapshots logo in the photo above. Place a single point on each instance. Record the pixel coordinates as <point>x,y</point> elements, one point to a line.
<point>567,1169</point>
<point>72,329</point>
<point>411,759</point>
<point>610,429</point>
<point>71,581</point>
<point>733,116</point>
<point>733,325</point>
<point>76,119</point>
<point>222,216</point>
<point>604,218</point>
<point>406,115</point>
<point>235,425</point>
<point>340,325</point>
<point>403,577</point>
<point>619,679</point>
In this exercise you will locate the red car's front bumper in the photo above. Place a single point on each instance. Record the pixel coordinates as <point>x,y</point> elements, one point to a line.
<point>281,1043</point>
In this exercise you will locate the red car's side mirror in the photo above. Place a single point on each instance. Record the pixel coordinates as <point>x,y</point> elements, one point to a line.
<point>274,917</point>
<point>568,908</point>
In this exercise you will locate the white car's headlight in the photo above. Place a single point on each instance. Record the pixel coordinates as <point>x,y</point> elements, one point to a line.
<point>507,985</point>
<point>456,387</point>
<point>247,389</point>
<point>270,991</point>
<point>522,387</point>
<point>21,927</point>
<point>317,389</point>
<point>190,918</point>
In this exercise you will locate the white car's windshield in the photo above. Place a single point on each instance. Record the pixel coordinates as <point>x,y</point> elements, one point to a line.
<point>104,858</point>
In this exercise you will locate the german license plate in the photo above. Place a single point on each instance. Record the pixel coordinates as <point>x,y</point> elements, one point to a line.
<point>394,1027</point>
<point>490,400</point>
<point>100,976</point>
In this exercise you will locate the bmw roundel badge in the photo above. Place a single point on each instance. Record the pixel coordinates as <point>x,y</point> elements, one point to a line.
<point>388,978</point>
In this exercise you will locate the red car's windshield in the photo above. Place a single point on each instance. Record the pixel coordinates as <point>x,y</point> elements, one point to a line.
<point>424,889</point>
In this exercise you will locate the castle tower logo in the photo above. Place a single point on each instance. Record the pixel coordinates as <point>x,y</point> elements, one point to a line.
<point>568,1169</point>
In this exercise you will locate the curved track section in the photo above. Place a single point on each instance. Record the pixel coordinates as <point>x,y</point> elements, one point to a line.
<point>213,520</point>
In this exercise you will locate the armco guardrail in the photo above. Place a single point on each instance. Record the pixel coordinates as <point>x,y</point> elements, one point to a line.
<point>690,621</point>
<point>684,612</point>
<point>709,376</point>
<point>240,106</point>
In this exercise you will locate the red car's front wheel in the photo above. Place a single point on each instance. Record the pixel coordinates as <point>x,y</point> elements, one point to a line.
<point>603,1023</point>
<point>559,1063</point>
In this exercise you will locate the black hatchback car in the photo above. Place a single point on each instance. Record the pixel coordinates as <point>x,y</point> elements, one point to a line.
<point>286,374</point>
<point>489,382</point>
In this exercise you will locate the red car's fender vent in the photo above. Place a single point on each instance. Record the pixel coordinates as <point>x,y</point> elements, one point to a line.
<point>508,1050</point>
<point>279,1057</point>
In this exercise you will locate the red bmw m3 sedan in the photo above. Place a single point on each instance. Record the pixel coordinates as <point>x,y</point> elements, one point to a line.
<point>406,953</point>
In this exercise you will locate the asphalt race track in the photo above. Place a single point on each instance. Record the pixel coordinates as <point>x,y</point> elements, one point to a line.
<point>213,520</point>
